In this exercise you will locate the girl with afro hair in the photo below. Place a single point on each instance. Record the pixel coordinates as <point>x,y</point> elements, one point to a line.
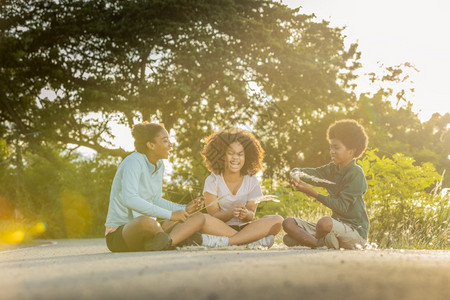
<point>234,156</point>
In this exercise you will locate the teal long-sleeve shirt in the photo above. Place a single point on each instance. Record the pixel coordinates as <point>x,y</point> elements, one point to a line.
<point>346,196</point>
<point>137,190</point>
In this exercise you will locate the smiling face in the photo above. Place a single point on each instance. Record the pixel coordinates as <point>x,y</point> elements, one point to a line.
<point>161,146</point>
<point>234,158</point>
<point>340,155</point>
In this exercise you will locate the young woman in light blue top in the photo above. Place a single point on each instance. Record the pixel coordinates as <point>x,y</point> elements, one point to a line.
<point>136,199</point>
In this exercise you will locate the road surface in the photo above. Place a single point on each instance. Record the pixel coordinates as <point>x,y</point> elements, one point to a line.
<point>85,269</point>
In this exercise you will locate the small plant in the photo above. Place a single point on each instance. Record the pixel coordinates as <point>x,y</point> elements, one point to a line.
<point>292,203</point>
<point>404,209</point>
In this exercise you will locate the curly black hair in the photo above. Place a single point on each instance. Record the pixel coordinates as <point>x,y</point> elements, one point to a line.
<point>351,134</point>
<point>143,133</point>
<point>217,144</point>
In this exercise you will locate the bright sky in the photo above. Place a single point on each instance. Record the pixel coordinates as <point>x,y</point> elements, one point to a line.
<point>393,32</point>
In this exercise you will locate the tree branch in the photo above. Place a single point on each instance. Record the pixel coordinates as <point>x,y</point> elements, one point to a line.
<point>113,152</point>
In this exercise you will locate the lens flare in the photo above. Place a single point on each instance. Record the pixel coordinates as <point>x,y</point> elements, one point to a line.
<point>39,227</point>
<point>12,238</point>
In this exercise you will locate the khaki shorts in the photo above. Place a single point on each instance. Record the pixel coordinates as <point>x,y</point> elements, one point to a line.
<point>347,236</point>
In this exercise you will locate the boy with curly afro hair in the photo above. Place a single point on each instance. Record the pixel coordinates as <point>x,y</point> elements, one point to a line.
<point>348,225</point>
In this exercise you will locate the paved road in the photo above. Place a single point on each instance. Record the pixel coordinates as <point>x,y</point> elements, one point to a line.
<point>85,269</point>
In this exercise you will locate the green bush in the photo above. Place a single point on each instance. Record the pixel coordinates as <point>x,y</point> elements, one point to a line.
<point>292,203</point>
<point>405,210</point>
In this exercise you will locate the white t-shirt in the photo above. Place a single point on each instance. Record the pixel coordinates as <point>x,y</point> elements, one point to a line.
<point>249,190</point>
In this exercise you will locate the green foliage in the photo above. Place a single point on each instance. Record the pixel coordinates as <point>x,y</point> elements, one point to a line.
<point>396,177</point>
<point>403,210</point>
<point>180,190</point>
<point>3,151</point>
<point>196,66</point>
<point>70,196</point>
<point>398,130</point>
<point>169,61</point>
<point>292,203</point>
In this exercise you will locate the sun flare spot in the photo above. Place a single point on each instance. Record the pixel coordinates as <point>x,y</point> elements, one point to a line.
<point>39,227</point>
<point>12,238</point>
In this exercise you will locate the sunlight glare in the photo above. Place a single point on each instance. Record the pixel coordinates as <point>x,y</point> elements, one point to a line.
<point>395,32</point>
<point>123,137</point>
<point>13,238</point>
<point>39,227</point>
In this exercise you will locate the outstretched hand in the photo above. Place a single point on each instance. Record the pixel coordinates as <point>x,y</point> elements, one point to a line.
<point>303,187</point>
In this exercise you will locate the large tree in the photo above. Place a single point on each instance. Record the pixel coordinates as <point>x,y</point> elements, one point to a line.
<point>70,69</point>
<point>194,65</point>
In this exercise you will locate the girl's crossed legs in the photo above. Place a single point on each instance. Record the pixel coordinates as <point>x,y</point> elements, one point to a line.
<point>267,225</point>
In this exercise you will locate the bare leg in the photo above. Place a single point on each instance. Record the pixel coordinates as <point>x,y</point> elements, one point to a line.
<point>258,229</point>
<point>218,227</point>
<point>323,227</point>
<point>291,227</point>
<point>182,231</point>
<point>137,231</point>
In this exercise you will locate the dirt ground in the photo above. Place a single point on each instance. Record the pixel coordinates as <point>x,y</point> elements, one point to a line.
<point>85,269</point>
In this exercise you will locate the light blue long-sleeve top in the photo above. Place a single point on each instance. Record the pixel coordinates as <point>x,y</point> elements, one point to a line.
<point>137,190</point>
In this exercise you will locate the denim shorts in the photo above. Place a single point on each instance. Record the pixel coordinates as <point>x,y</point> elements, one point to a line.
<point>115,241</point>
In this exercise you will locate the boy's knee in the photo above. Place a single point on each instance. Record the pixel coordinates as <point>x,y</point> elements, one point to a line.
<point>325,224</point>
<point>289,223</point>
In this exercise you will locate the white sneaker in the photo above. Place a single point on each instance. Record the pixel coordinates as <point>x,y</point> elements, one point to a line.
<point>264,242</point>
<point>214,241</point>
